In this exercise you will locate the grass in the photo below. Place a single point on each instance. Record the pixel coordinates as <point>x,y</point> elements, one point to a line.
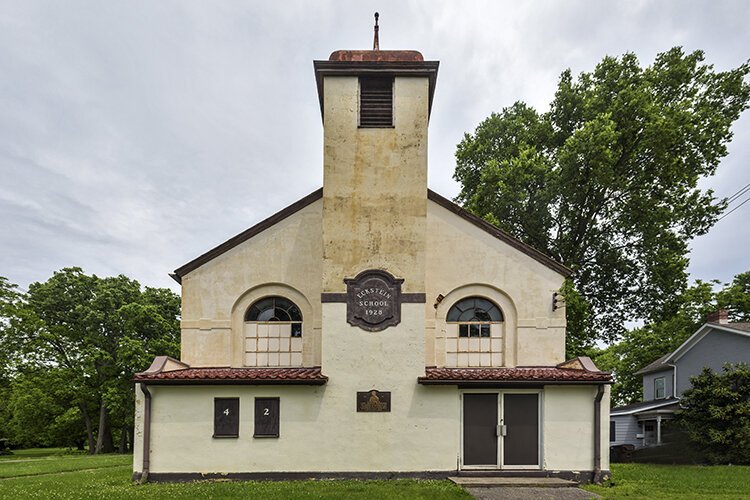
<point>61,474</point>
<point>37,461</point>
<point>676,482</point>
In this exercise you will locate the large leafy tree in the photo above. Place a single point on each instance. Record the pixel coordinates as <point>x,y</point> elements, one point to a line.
<point>93,333</point>
<point>606,181</point>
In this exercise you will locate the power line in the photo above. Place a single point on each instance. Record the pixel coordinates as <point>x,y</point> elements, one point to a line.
<point>738,193</point>
<point>735,208</point>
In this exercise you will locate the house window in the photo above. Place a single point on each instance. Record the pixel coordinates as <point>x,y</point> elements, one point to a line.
<point>273,333</point>
<point>376,102</point>
<point>612,431</point>
<point>659,388</point>
<point>474,333</point>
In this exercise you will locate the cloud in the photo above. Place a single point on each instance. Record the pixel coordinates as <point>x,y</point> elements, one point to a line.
<point>135,136</point>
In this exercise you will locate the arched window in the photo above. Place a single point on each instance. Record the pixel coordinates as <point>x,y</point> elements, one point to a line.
<point>276,309</point>
<point>474,333</point>
<point>273,331</point>
<point>474,316</point>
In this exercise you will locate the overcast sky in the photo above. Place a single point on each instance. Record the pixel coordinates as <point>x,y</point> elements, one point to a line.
<point>134,136</point>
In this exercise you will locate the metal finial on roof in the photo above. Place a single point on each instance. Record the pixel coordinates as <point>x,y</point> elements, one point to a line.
<point>376,41</point>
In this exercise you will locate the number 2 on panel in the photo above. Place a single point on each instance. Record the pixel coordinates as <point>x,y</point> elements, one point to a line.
<point>266,412</point>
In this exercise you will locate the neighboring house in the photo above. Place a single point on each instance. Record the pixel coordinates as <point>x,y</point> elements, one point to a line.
<point>715,343</point>
<point>373,327</point>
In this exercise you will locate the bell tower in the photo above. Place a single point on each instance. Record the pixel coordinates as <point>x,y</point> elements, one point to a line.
<point>375,106</point>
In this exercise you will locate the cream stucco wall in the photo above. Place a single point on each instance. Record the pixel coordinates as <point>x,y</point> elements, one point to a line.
<point>285,259</point>
<point>321,431</point>
<point>568,432</point>
<point>463,260</point>
<point>320,428</point>
<point>374,186</point>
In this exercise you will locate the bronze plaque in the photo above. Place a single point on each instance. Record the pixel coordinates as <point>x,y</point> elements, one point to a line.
<point>373,401</point>
<point>373,300</point>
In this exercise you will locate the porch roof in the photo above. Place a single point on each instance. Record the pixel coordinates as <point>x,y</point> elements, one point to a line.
<point>523,375</point>
<point>234,376</point>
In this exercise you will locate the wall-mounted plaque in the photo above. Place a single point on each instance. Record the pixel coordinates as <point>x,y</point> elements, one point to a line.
<point>373,300</point>
<point>373,401</point>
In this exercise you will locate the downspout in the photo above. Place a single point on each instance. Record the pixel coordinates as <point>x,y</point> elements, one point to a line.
<point>598,434</point>
<point>674,380</point>
<point>146,433</point>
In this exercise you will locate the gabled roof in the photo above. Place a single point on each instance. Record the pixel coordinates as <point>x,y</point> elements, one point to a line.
<point>246,234</point>
<point>318,194</point>
<point>664,362</point>
<point>735,328</point>
<point>642,406</point>
<point>499,234</point>
<point>656,366</point>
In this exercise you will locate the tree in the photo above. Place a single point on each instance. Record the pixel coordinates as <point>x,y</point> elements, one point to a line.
<point>95,333</point>
<point>716,414</point>
<point>735,298</point>
<point>606,180</point>
<point>9,298</point>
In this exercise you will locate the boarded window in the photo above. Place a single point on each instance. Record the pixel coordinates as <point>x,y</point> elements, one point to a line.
<point>612,431</point>
<point>226,417</point>
<point>375,102</point>
<point>266,417</point>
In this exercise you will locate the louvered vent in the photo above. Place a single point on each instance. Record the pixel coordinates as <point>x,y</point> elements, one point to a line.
<point>375,102</point>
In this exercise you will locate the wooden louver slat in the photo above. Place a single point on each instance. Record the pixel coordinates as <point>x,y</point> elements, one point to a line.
<point>375,102</point>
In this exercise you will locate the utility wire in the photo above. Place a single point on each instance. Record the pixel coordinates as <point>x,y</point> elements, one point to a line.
<point>735,208</point>
<point>738,193</point>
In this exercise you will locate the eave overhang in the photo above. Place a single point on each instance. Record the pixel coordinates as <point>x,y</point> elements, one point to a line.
<point>407,68</point>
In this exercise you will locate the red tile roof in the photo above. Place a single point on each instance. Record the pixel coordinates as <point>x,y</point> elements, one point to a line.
<point>527,375</point>
<point>238,376</point>
<point>376,55</point>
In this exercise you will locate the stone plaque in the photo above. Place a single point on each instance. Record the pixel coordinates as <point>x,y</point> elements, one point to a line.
<point>373,401</point>
<point>373,300</point>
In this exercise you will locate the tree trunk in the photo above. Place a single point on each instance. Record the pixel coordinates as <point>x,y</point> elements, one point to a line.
<point>89,430</point>
<point>131,437</point>
<point>123,439</point>
<point>104,442</point>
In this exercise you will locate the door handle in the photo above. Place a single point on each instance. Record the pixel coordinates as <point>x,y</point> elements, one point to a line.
<point>501,430</point>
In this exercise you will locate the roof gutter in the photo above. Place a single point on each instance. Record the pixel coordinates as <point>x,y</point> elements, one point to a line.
<point>508,383</point>
<point>203,381</point>
<point>146,433</point>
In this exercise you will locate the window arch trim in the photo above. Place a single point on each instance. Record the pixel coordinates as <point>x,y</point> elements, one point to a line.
<point>274,308</point>
<point>474,309</point>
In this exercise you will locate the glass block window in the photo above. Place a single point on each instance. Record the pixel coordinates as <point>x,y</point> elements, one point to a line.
<point>273,333</point>
<point>474,333</point>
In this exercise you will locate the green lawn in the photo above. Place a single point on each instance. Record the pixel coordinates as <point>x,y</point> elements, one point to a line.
<point>108,476</point>
<point>676,481</point>
<point>57,474</point>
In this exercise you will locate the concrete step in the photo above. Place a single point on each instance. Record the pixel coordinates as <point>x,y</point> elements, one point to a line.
<point>528,482</point>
